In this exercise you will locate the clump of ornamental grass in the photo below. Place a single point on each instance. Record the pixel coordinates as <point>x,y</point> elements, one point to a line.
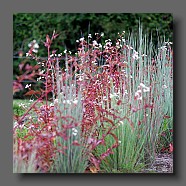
<point>135,95</point>
<point>72,153</point>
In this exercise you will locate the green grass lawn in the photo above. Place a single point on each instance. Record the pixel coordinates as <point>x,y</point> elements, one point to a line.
<point>20,106</point>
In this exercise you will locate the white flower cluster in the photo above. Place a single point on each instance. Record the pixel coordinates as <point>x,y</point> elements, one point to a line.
<point>108,42</point>
<point>120,123</point>
<point>135,55</point>
<point>102,34</point>
<point>96,44</point>
<point>39,78</point>
<point>28,86</point>
<point>34,45</point>
<point>55,55</point>
<point>22,105</point>
<point>90,36</point>
<point>74,101</point>
<point>141,88</point>
<point>74,131</point>
<point>164,47</point>
<point>145,88</point>
<point>164,86</point>
<point>113,95</point>
<point>82,39</point>
<point>118,44</point>
<point>41,72</point>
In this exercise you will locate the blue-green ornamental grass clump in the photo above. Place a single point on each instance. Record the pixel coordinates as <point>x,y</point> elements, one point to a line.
<point>103,109</point>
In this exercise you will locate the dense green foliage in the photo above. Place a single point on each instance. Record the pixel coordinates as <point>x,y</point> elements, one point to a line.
<point>72,26</point>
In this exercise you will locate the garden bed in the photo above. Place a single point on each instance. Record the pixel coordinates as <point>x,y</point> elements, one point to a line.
<point>107,106</point>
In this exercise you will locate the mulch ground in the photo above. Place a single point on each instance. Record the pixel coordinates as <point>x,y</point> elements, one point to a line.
<point>163,164</point>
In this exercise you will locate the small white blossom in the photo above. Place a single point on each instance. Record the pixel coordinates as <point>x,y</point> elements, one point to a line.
<point>138,95</point>
<point>27,54</point>
<point>95,43</point>
<point>39,78</point>
<point>75,101</point>
<point>120,122</point>
<point>142,85</point>
<point>109,43</point>
<point>102,34</point>
<point>74,134</point>
<point>125,92</point>
<point>41,72</point>
<point>22,105</point>
<point>55,101</point>
<point>28,85</point>
<point>74,131</point>
<point>51,104</point>
<point>67,101</point>
<point>100,45</point>
<point>139,98</point>
<point>163,48</point>
<point>168,43</point>
<point>82,39</point>
<point>15,123</point>
<point>36,45</point>
<point>113,95</point>
<point>129,47</point>
<point>94,62</point>
<point>40,119</point>
<point>135,55</point>
<point>81,78</point>
<point>145,88</point>
<point>164,86</point>
<point>105,98</point>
